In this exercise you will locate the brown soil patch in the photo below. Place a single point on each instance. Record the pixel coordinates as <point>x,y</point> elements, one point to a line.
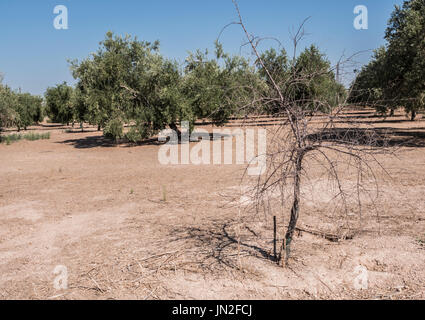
<point>77,200</point>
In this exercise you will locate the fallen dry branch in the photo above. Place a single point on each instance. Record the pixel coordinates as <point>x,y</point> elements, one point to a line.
<point>328,236</point>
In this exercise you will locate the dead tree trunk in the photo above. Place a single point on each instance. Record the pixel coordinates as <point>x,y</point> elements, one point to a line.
<point>295,206</point>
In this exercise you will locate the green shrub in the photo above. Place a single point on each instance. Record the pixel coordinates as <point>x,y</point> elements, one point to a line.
<point>133,135</point>
<point>114,129</point>
<point>29,137</point>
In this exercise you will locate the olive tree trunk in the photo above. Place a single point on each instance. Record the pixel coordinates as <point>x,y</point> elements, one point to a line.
<point>174,127</point>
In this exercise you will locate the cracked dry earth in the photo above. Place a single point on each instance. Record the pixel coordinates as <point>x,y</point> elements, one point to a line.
<point>126,227</point>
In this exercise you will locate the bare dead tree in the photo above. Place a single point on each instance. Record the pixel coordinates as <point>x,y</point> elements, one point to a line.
<point>311,130</point>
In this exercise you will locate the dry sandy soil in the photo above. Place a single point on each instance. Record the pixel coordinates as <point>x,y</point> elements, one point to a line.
<point>126,227</point>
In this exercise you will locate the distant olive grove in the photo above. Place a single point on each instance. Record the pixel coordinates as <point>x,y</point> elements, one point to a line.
<point>18,109</point>
<point>128,83</point>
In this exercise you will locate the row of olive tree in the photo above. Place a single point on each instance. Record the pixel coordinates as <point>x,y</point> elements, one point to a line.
<point>395,77</point>
<point>128,82</point>
<point>318,92</point>
<point>19,109</point>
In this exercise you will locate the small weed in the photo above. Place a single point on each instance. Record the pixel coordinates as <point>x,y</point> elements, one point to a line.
<point>37,136</point>
<point>9,139</point>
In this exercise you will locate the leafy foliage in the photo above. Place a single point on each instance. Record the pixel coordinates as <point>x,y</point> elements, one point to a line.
<point>130,80</point>
<point>114,129</point>
<point>318,89</point>
<point>395,75</point>
<point>218,88</point>
<point>8,104</point>
<point>308,79</point>
<point>59,103</point>
<point>369,87</point>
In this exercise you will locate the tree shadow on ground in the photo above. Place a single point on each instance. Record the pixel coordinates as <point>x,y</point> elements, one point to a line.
<point>219,246</point>
<point>41,127</point>
<point>78,130</point>
<point>102,141</point>
<point>90,142</point>
<point>375,137</point>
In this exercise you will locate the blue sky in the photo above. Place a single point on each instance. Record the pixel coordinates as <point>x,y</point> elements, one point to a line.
<point>33,54</point>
